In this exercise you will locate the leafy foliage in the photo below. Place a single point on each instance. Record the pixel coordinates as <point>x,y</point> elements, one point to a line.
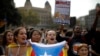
<point>29,17</point>
<point>9,13</point>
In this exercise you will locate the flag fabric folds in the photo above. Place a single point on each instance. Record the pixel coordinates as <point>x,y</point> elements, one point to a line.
<point>63,52</point>
<point>28,51</point>
<point>47,50</point>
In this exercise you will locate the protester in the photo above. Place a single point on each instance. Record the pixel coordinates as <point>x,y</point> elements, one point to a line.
<point>95,40</point>
<point>62,34</point>
<point>83,35</point>
<point>76,38</point>
<point>35,36</point>
<point>8,38</point>
<point>20,47</point>
<point>51,39</point>
<point>84,32</point>
<point>83,50</point>
<point>91,38</point>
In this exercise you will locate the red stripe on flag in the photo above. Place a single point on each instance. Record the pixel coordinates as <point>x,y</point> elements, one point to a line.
<point>32,53</point>
<point>61,53</point>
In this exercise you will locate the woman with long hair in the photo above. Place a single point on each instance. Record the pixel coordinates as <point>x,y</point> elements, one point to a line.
<point>8,38</point>
<point>20,47</point>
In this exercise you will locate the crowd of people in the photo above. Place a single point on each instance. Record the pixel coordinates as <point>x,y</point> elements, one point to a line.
<point>80,41</point>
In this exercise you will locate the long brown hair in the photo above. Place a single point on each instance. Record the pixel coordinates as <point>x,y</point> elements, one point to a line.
<point>4,43</point>
<point>16,31</point>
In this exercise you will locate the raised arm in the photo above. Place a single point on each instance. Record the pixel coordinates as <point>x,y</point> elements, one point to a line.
<point>97,17</point>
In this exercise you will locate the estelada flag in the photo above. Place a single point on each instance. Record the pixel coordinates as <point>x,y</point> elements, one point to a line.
<point>47,50</point>
<point>14,45</point>
<point>64,52</point>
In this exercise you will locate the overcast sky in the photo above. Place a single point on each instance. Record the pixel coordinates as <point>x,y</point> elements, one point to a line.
<point>78,7</point>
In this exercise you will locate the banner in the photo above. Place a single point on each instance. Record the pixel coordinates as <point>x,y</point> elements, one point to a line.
<point>62,11</point>
<point>48,49</point>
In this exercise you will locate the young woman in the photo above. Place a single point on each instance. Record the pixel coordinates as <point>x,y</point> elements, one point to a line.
<point>35,36</point>
<point>20,47</point>
<point>83,50</point>
<point>8,38</point>
<point>51,39</point>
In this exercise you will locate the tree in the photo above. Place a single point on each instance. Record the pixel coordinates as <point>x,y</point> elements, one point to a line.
<point>29,17</point>
<point>9,13</point>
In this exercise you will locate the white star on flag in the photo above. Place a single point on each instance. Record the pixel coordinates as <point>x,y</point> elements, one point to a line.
<point>45,54</point>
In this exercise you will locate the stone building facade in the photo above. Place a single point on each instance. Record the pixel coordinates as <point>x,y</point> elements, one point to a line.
<point>43,14</point>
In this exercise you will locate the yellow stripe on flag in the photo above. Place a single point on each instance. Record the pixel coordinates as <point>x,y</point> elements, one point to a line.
<point>64,52</point>
<point>29,50</point>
